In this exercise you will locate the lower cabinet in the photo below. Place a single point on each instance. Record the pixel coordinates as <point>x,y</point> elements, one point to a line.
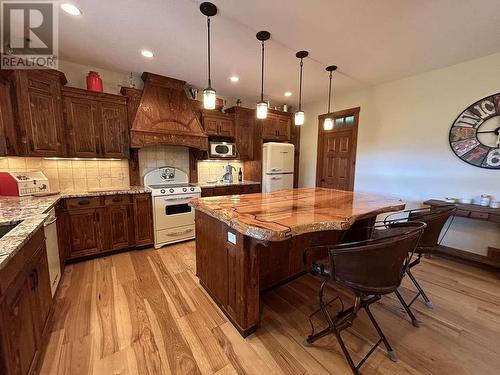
<point>94,225</point>
<point>230,190</point>
<point>25,306</point>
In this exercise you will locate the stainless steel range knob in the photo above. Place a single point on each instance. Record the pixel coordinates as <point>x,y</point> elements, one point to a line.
<point>171,190</point>
<point>184,189</point>
<point>162,191</point>
<point>192,189</point>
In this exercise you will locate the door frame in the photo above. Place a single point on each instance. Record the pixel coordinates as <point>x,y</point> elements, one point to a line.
<point>321,132</point>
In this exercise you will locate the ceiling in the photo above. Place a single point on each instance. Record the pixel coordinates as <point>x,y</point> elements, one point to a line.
<point>371,41</point>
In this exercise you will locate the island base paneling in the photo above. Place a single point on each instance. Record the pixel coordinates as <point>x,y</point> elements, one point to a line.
<point>236,269</point>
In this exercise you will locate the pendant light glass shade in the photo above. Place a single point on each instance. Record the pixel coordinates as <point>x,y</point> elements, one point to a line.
<point>299,115</point>
<point>209,97</point>
<point>261,110</point>
<point>299,118</point>
<point>328,124</point>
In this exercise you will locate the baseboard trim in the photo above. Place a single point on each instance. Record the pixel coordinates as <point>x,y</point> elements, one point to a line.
<point>468,257</point>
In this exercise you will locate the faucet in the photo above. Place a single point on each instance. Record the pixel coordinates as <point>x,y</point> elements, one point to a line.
<point>228,176</point>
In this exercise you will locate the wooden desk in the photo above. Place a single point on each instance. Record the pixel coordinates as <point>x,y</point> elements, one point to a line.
<point>475,212</point>
<point>246,244</point>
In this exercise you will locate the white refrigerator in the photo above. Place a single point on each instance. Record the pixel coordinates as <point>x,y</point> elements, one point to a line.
<point>277,166</point>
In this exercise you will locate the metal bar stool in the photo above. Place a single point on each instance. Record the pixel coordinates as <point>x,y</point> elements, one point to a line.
<point>369,269</point>
<point>435,218</point>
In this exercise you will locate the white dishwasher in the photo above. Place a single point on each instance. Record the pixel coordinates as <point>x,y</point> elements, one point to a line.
<point>50,228</point>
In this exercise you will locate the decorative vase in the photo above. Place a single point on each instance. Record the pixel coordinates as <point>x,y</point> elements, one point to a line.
<point>94,82</point>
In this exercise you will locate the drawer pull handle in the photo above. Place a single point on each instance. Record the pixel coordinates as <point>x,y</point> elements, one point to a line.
<point>180,233</point>
<point>83,202</point>
<point>117,199</point>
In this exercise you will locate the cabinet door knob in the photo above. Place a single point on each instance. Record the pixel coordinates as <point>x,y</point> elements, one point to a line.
<point>84,202</point>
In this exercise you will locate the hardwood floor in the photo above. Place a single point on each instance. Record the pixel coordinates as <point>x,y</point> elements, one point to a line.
<point>144,312</point>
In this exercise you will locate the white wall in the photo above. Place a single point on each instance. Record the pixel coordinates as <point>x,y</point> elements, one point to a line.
<point>403,144</point>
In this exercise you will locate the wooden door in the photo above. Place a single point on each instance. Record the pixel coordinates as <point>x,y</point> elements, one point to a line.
<point>244,134</point>
<point>43,294</point>
<point>336,155</point>
<point>283,128</point>
<point>270,127</point>
<point>143,219</point>
<point>210,125</point>
<point>39,111</point>
<point>85,233</point>
<point>81,120</point>
<point>226,127</point>
<point>120,227</point>
<point>114,130</point>
<point>18,325</point>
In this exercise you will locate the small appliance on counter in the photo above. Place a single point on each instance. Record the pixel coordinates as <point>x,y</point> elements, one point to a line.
<point>219,150</point>
<point>277,166</point>
<point>23,183</point>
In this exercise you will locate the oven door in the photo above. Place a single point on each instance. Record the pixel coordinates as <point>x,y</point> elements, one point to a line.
<point>173,212</point>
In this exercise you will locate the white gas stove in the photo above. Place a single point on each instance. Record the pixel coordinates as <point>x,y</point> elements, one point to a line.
<point>173,217</point>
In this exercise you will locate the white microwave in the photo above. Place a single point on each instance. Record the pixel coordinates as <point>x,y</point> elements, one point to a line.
<point>222,150</point>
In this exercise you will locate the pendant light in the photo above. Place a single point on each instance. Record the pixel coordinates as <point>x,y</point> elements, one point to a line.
<point>328,122</point>
<point>299,115</point>
<point>262,105</point>
<point>209,96</point>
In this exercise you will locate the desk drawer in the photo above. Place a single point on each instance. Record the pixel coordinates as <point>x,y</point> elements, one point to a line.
<point>479,215</point>
<point>462,213</point>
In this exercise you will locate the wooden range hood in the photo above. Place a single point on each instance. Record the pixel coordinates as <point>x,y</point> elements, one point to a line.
<point>166,116</point>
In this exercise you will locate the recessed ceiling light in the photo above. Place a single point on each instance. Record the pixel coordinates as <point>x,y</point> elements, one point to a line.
<point>71,9</point>
<point>288,93</point>
<point>234,79</point>
<point>147,53</point>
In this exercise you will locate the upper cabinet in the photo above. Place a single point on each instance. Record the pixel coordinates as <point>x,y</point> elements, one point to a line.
<point>244,130</point>
<point>217,123</point>
<point>276,126</point>
<point>96,124</point>
<point>36,102</point>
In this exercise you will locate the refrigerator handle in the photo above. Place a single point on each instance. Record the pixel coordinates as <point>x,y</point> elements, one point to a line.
<point>276,169</point>
<point>276,178</point>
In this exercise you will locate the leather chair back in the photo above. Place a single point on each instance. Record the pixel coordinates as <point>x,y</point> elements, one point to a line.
<point>435,219</point>
<point>376,266</point>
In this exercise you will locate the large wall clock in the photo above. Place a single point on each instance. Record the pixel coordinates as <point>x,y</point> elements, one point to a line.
<point>475,134</point>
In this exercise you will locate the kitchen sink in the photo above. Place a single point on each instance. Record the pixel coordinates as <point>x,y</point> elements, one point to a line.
<point>4,229</point>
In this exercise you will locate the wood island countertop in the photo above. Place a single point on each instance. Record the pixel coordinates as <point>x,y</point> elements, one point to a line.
<point>283,214</point>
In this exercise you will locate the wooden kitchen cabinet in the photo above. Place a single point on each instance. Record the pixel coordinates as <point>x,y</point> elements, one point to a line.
<point>96,123</point>
<point>244,124</point>
<point>230,190</point>
<point>217,123</point>
<point>37,108</point>
<point>143,216</point>
<point>276,126</point>
<point>6,119</point>
<point>120,225</point>
<point>97,225</point>
<point>85,235</point>
<point>25,308</point>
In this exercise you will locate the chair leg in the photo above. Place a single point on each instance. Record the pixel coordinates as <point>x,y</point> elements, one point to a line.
<point>353,367</point>
<point>390,352</point>
<point>414,320</point>
<point>427,300</point>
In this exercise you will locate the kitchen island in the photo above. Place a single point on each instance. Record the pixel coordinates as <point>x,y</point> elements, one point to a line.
<point>247,244</point>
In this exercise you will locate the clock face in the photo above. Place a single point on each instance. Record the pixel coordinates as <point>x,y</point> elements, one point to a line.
<point>475,134</point>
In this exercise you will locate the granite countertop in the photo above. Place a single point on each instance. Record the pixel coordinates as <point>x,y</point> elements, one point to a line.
<point>280,215</point>
<point>219,183</point>
<point>31,212</point>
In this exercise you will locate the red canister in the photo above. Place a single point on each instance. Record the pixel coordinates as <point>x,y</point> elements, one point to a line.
<point>94,82</point>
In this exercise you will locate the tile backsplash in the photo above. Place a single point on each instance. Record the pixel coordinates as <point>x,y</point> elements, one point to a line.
<point>213,170</point>
<point>153,157</point>
<point>67,175</point>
